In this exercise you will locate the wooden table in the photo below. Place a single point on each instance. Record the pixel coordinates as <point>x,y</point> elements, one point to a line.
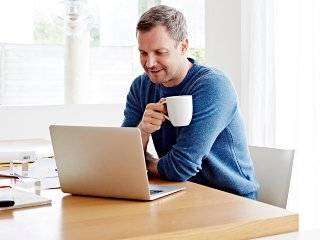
<point>301,235</point>
<point>197,213</point>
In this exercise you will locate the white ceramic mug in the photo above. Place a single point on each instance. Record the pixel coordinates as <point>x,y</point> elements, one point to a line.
<point>179,110</point>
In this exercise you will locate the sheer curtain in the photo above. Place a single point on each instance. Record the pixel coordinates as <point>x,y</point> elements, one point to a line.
<point>281,90</point>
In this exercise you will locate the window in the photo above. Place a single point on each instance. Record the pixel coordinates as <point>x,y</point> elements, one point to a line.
<point>32,50</point>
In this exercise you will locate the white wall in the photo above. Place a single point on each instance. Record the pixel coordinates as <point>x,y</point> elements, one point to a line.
<point>223,38</point>
<point>25,122</point>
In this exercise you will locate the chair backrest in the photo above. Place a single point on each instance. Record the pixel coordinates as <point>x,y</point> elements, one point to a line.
<point>273,169</point>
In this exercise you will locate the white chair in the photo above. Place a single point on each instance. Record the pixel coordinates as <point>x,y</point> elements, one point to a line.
<point>273,169</point>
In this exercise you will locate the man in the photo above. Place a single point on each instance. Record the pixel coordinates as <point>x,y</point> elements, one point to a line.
<point>212,150</point>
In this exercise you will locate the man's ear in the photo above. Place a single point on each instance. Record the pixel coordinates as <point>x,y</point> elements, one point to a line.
<point>184,45</point>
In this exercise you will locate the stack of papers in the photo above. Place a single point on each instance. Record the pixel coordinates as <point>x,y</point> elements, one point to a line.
<point>37,152</point>
<point>44,169</point>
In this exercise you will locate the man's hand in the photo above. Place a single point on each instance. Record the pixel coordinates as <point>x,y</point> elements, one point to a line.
<point>153,117</point>
<point>152,167</point>
<point>152,164</point>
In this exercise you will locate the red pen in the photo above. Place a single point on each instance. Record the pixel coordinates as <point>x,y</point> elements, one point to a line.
<point>5,186</point>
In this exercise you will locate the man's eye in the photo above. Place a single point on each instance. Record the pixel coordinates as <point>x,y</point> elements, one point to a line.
<point>143,53</point>
<point>161,53</point>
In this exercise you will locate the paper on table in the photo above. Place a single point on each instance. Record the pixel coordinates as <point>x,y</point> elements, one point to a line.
<point>22,198</point>
<point>42,168</point>
<point>50,183</point>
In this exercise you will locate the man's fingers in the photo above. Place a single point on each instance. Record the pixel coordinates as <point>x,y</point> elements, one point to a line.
<point>157,107</point>
<point>151,114</point>
<point>153,117</point>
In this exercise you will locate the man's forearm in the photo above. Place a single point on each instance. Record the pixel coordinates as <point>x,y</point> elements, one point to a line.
<point>145,138</point>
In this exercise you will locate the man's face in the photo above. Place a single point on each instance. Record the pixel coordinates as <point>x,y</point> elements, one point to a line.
<point>161,59</point>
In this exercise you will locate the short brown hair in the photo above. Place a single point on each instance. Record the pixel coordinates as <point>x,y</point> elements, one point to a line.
<point>165,16</point>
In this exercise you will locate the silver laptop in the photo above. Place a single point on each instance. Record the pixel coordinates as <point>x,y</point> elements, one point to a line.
<point>103,162</point>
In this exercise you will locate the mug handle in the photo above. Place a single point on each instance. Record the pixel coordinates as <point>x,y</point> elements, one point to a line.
<point>166,116</point>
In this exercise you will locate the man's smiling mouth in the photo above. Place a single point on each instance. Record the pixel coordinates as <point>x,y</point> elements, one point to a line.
<point>155,70</point>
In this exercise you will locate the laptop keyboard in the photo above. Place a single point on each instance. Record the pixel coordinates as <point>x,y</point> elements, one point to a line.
<point>155,191</point>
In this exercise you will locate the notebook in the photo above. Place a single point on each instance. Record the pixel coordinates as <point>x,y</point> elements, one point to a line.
<point>22,198</point>
<point>103,162</point>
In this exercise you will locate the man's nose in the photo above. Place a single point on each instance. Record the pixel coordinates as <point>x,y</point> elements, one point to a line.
<point>151,61</point>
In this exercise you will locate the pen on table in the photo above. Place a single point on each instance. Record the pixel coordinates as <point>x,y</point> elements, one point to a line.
<point>6,203</point>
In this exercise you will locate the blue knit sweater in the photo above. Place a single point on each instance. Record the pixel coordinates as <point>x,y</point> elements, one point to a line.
<point>212,150</point>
